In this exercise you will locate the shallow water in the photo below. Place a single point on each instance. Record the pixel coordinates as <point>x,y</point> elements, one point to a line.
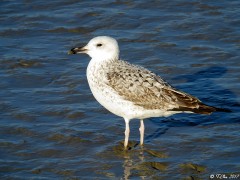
<point>53,128</point>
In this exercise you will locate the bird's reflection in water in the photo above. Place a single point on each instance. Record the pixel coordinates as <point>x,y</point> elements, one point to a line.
<point>137,161</point>
<point>131,161</point>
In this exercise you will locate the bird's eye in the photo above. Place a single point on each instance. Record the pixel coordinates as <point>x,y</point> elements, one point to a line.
<point>99,45</point>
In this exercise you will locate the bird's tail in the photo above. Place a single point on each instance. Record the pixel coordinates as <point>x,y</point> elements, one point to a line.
<point>201,109</point>
<point>205,109</point>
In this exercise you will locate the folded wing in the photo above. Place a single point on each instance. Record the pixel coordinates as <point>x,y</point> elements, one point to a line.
<point>146,89</point>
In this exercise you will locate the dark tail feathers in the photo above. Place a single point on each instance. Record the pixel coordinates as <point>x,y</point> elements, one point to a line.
<point>202,109</point>
<point>205,109</point>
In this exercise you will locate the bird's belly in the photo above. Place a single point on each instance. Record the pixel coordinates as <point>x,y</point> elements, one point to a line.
<point>111,100</point>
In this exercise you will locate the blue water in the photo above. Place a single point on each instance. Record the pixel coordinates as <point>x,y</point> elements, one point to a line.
<point>51,127</point>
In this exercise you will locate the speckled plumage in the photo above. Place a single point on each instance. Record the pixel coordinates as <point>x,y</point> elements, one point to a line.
<point>131,91</point>
<point>146,89</point>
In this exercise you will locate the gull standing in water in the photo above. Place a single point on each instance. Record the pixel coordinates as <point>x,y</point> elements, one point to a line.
<point>131,91</point>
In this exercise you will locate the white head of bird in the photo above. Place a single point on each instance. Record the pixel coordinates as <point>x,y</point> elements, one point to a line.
<point>101,48</point>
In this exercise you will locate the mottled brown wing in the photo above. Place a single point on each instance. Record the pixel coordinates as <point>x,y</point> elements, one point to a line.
<point>148,90</point>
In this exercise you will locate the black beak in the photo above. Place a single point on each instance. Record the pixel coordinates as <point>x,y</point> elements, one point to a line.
<point>77,50</point>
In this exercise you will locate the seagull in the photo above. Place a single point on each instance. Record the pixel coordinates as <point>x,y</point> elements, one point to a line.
<point>131,91</point>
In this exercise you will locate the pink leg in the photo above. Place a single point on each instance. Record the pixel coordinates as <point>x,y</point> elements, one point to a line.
<point>127,131</point>
<point>141,129</point>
